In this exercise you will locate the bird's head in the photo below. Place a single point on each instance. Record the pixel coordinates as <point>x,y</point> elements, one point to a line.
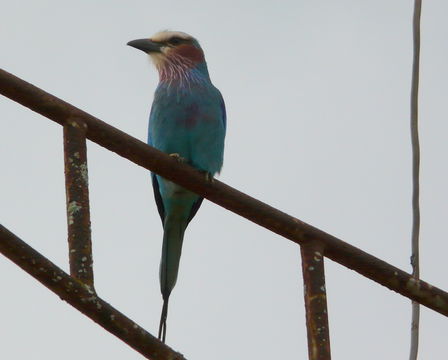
<point>175,54</point>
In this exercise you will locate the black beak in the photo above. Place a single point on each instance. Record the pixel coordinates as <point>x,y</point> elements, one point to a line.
<point>145,45</point>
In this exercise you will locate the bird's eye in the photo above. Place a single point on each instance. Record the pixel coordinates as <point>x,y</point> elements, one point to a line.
<point>174,41</point>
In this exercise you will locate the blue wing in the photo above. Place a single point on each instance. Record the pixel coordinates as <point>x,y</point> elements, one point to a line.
<point>158,197</point>
<point>223,110</point>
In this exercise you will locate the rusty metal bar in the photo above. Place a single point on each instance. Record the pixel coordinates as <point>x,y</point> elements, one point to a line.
<point>83,298</point>
<point>77,195</point>
<point>315,302</point>
<point>224,195</point>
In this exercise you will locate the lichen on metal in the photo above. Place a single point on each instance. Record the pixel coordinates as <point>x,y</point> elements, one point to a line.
<point>84,173</point>
<point>72,208</point>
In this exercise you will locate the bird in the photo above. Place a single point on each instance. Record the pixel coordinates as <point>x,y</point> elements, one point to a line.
<point>188,122</point>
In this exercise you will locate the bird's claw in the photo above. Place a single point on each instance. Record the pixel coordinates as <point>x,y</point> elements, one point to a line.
<point>177,157</point>
<point>209,177</point>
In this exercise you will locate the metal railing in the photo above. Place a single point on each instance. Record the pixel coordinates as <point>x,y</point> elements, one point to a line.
<point>78,287</point>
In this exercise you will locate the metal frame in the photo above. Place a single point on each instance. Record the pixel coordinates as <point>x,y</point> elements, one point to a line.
<point>78,290</point>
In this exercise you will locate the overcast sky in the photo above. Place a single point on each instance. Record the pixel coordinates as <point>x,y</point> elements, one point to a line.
<point>317,96</point>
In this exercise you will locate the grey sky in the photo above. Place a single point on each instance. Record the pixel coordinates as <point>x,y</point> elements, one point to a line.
<point>317,96</point>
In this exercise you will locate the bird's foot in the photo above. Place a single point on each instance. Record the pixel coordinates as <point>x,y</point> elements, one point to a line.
<point>177,157</point>
<point>209,177</point>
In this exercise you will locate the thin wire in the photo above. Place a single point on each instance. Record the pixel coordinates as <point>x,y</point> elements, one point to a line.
<point>415,257</point>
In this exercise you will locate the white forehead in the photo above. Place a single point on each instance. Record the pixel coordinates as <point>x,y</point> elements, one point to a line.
<point>165,35</point>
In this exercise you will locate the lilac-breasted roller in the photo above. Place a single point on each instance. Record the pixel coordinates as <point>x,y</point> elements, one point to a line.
<point>187,121</point>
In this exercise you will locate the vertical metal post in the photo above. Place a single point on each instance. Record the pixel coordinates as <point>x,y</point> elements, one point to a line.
<point>77,195</point>
<point>315,302</point>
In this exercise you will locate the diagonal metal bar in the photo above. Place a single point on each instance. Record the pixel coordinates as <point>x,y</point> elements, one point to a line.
<point>83,298</point>
<point>224,195</point>
<point>315,302</point>
<point>77,195</point>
